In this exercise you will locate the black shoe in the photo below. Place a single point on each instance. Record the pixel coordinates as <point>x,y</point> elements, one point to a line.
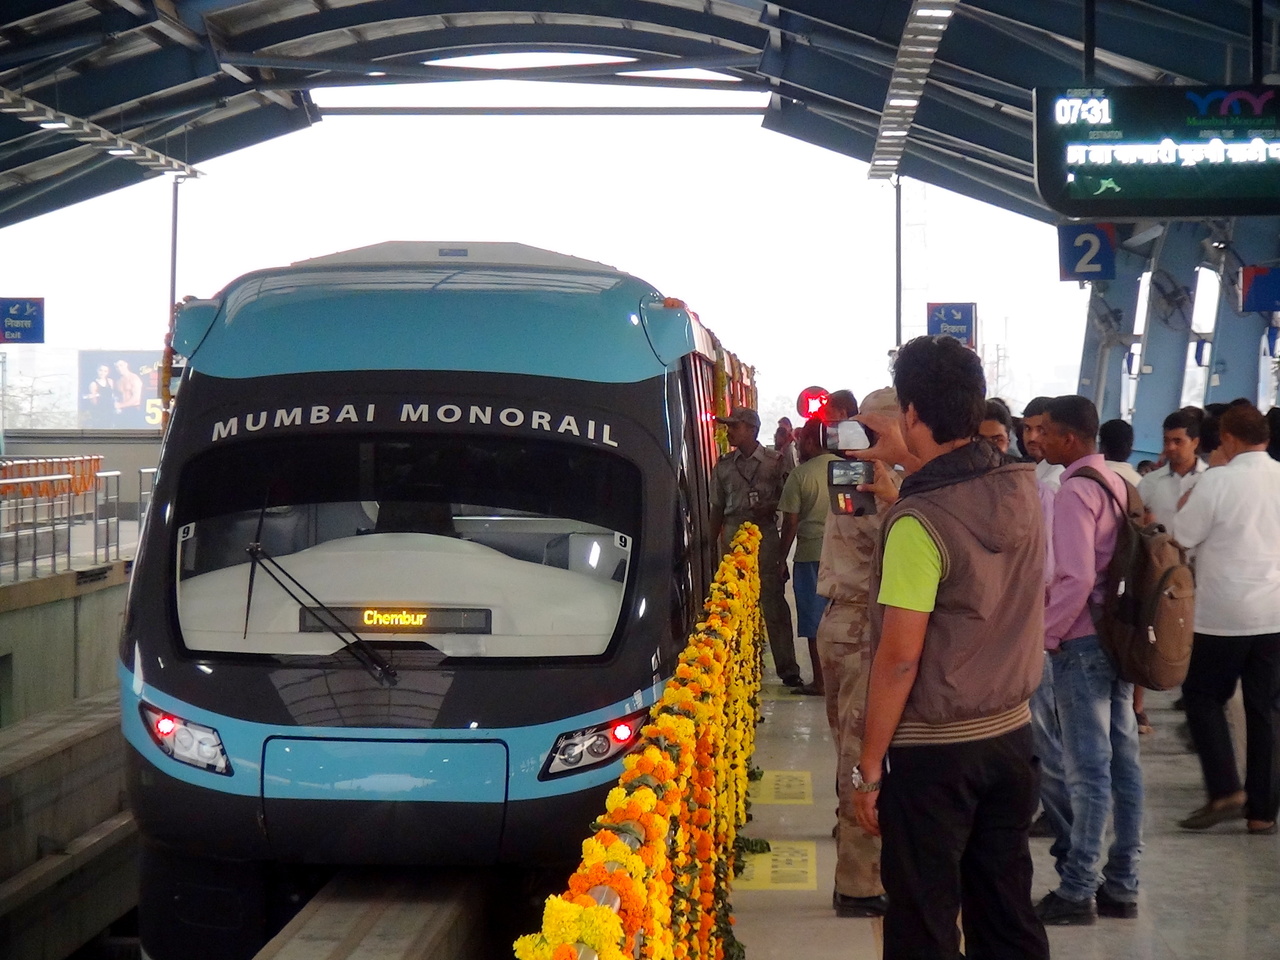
<point>859,906</point>
<point>1056,911</point>
<point>1109,906</point>
<point>807,690</point>
<point>792,682</point>
<point>1040,826</point>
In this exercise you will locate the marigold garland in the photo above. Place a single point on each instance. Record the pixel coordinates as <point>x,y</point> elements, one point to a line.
<point>666,844</point>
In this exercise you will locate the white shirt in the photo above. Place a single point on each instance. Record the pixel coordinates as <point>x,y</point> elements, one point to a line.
<point>1125,470</point>
<point>1162,489</point>
<point>1050,474</point>
<point>1232,521</point>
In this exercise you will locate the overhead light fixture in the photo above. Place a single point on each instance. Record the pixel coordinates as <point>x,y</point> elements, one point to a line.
<point>89,133</point>
<point>917,49</point>
<point>376,73</point>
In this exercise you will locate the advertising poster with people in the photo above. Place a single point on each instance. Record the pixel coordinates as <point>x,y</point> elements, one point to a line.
<point>119,390</point>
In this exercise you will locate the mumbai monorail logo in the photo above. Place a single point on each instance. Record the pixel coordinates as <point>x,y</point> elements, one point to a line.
<point>1231,100</point>
<point>515,418</point>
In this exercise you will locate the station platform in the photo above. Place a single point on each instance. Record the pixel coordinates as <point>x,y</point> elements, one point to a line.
<point>1213,895</point>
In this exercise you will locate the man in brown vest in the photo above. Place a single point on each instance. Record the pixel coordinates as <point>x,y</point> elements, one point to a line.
<point>947,774</point>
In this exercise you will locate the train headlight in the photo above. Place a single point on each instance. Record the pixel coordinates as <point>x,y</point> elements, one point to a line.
<point>580,750</point>
<point>185,741</point>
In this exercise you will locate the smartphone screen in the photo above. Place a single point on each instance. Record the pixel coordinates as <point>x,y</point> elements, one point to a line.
<point>851,435</point>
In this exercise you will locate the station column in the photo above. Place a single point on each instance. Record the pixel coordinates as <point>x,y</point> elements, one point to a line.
<point>1237,337</point>
<point>1108,334</point>
<point>1167,331</point>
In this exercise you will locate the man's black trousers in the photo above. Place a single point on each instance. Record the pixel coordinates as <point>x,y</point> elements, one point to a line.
<point>1217,663</point>
<point>954,819</point>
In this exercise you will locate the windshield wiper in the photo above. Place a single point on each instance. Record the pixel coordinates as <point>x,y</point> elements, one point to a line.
<point>253,562</point>
<point>369,658</point>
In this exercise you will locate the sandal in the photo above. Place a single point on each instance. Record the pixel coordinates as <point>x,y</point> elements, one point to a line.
<point>1210,816</point>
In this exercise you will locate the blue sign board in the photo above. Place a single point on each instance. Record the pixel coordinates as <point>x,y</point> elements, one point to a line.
<point>1259,289</point>
<point>22,320</point>
<point>959,320</point>
<point>1087,251</point>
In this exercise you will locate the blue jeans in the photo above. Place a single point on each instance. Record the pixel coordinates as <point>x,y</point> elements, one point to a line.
<point>1100,774</point>
<point>1047,739</point>
<point>809,606</point>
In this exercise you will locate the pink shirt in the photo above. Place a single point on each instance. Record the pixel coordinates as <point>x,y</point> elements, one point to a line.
<point>1085,522</point>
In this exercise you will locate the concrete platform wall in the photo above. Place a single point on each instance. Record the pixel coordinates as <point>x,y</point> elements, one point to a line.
<point>58,639</point>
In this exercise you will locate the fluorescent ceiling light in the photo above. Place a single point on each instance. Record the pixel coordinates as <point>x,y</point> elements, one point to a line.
<point>120,151</point>
<point>376,73</point>
<point>893,133</point>
<point>885,163</point>
<point>903,102</point>
<point>521,61</point>
<point>55,124</point>
<point>934,12</point>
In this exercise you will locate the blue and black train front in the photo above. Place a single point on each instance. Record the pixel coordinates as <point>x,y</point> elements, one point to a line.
<point>415,568</point>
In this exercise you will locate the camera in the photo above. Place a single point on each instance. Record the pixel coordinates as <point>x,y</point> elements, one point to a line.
<point>846,435</point>
<point>843,479</point>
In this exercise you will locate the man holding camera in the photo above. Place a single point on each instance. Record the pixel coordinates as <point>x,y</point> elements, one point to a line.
<point>746,485</point>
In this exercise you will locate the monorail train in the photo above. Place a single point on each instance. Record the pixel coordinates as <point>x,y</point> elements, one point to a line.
<point>428,531</point>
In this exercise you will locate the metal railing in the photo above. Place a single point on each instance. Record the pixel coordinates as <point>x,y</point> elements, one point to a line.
<point>50,508</point>
<point>106,514</point>
<point>146,488</point>
<point>21,502</point>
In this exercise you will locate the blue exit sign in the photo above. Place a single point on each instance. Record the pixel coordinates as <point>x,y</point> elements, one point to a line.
<point>22,320</point>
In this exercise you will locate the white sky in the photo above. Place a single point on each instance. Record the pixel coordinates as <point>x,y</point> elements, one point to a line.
<point>784,249</point>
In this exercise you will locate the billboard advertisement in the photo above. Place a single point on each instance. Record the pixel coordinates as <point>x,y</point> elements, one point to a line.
<point>119,390</point>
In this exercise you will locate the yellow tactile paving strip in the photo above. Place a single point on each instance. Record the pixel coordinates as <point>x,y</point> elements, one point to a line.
<point>789,865</point>
<point>783,786</point>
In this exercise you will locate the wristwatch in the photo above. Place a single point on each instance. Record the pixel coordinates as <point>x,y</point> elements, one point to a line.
<point>861,785</point>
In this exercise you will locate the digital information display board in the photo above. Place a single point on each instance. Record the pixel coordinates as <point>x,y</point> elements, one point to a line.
<point>1158,152</point>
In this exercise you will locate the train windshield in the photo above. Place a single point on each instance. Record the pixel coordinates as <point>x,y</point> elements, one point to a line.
<point>469,545</point>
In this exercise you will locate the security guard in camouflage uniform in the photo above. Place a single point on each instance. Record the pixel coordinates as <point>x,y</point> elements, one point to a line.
<point>746,484</point>
<point>844,649</point>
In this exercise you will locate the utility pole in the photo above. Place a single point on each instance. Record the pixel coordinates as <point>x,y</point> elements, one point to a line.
<point>897,248</point>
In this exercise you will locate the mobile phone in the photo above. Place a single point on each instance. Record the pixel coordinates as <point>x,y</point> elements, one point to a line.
<point>843,479</point>
<point>845,435</point>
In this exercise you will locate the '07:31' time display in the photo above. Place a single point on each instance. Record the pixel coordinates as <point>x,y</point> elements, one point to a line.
<point>1095,110</point>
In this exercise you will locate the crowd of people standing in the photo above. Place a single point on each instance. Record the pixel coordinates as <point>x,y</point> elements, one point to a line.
<point>952,630</point>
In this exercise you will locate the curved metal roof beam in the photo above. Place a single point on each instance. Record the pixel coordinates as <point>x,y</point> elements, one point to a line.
<point>369,17</point>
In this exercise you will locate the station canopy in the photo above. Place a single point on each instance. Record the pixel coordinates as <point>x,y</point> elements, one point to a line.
<point>96,95</point>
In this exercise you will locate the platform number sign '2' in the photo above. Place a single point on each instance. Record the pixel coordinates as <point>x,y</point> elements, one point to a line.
<point>1087,251</point>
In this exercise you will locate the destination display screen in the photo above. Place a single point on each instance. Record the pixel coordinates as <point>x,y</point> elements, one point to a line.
<point>386,619</point>
<point>1158,151</point>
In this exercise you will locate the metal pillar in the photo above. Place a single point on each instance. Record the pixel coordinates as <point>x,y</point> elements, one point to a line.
<point>1237,337</point>
<point>1163,364</point>
<point>1108,334</point>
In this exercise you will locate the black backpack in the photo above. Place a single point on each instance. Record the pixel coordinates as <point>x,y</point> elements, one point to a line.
<point>1147,619</point>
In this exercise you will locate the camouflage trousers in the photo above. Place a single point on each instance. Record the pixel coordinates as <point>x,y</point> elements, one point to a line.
<point>777,614</point>
<point>845,652</point>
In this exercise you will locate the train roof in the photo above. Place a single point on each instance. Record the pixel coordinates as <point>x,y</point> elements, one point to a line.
<point>465,254</point>
<point>500,307</point>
